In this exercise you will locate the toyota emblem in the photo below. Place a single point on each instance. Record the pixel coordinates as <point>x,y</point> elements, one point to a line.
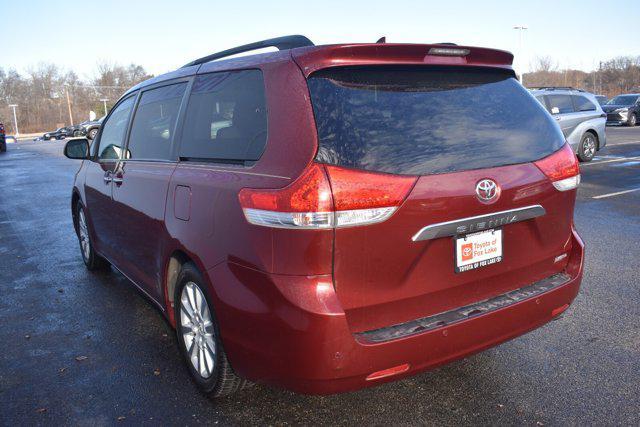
<point>487,190</point>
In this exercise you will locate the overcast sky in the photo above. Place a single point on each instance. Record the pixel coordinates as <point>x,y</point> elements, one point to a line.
<point>162,35</point>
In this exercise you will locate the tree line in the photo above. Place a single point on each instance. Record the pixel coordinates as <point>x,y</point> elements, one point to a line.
<point>611,78</point>
<point>48,97</point>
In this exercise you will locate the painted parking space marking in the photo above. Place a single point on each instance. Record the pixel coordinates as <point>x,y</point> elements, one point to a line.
<point>619,159</point>
<point>618,193</point>
<point>625,164</point>
<point>623,143</point>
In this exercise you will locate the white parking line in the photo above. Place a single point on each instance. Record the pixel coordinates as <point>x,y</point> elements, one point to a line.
<point>623,143</point>
<point>620,159</point>
<point>604,196</point>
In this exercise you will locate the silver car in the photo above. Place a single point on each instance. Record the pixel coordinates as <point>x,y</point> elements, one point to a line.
<point>580,117</point>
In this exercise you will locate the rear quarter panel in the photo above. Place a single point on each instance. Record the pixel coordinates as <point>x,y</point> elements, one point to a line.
<point>591,122</point>
<point>216,230</point>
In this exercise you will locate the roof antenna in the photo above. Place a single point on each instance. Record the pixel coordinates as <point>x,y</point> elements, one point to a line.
<point>382,40</point>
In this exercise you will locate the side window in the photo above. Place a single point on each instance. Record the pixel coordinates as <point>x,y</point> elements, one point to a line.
<point>226,117</point>
<point>154,123</point>
<point>560,104</point>
<point>583,104</point>
<point>540,99</point>
<point>114,130</point>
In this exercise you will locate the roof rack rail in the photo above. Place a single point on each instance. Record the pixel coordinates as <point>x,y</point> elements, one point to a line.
<point>282,43</point>
<point>555,88</point>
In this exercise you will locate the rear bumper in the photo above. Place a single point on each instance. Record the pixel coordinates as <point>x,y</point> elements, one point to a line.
<point>290,331</point>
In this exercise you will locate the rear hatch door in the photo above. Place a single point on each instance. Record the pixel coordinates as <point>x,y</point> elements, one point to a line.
<point>458,131</point>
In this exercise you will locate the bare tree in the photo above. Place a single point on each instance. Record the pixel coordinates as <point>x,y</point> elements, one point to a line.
<point>615,76</point>
<point>49,97</point>
<point>545,64</point>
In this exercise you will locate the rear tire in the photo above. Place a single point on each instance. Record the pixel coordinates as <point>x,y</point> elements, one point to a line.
<point>633,120</point>
<point>588,147</point>
<point>91,259</point>
<point>199,336</point>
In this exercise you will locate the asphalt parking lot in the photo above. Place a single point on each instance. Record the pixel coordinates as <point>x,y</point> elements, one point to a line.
<point>88,349</point>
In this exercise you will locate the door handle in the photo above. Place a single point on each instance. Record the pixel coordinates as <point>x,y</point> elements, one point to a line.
<point>558,118</point>
<point>118,179</point>
<point>107,177</point>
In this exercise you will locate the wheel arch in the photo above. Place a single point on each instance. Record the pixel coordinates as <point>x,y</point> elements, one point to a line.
<point>75,198</point>
<point>177,258</point>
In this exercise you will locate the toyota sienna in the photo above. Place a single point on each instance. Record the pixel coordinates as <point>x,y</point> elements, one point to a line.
<point>327,218</point>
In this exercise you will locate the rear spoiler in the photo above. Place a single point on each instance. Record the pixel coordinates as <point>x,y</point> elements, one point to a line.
<point>311,59</point>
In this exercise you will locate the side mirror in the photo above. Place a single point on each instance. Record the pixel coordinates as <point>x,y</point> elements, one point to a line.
<point>555,110</point>
<point>77,149</point>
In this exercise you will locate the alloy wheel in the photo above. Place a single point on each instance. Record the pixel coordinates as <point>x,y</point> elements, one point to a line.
<point>197,329</point>
<point>589,146</point>
<point>83,233</point>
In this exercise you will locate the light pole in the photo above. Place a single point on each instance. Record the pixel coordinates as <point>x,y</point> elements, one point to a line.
<point>15,118</point>
<point>521,29</point>
<point>104,101</point>
<point>66,88</point>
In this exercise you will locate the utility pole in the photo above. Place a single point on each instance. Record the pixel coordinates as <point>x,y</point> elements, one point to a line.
<point>66,89</point>
<point>521,29</point>
<point>15,119</point>
<point>104,101</point>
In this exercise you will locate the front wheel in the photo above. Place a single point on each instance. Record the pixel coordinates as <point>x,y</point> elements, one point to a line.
<point>587,148</point>
<point>199,336</point>
<point>633,120</point>
<point>92,133</point>
<point>91,259</point>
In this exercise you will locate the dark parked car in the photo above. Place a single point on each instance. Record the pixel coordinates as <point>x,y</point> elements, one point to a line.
<point>75,130</point>
<point>60,133</point>
<point>313,218</point>
<point>623,110</point>
<point>601,99</point>
<point>3,140</point>
<point>90,128</point>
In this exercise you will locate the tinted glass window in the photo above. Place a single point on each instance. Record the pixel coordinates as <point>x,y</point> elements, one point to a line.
<point>114,130</point>
<point>154,123</point>
<point>226,117</point>
<point>560,104</point>
<point>623,100</point>
<point>424,121</point>
<point>583,104</point>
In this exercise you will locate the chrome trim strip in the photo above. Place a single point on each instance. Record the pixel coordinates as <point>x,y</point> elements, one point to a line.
<point>478,223</point>
<point>209,167</point>
<point>448,318</point>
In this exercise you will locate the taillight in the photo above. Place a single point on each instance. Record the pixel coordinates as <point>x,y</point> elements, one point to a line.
<point>561,168</point>
<point>364,197</point>
<point>326,198</point>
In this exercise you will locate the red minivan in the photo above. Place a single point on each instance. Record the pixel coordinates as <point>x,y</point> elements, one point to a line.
<point>327,218</point>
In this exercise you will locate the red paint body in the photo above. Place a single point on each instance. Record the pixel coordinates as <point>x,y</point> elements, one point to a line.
<point>289,301</point>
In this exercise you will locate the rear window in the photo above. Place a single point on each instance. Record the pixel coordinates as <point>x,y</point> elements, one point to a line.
<point>583,104</point>
<point>427,121</point>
